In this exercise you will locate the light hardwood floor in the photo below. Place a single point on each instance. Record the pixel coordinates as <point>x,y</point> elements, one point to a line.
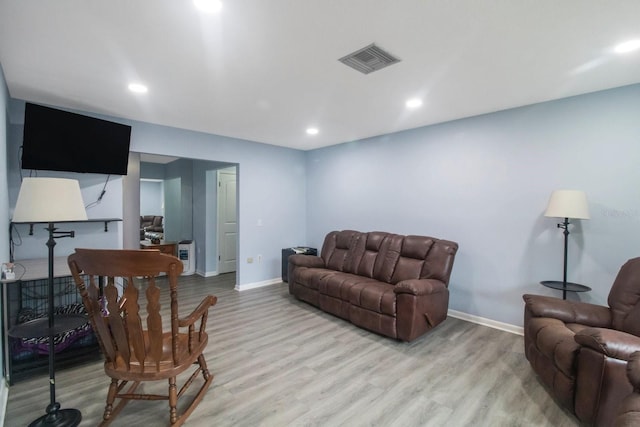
<point>280,362</point>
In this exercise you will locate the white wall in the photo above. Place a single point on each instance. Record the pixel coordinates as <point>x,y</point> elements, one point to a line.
<point>485,182</point>
<point>271,187</point>
<point>151,197</point>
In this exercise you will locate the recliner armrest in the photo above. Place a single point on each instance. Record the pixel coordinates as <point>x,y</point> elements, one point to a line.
<point>610,342</point>
<point>568,311</point>
<point>629,410</point>
<point>310,261</point>
<point>419,287</point>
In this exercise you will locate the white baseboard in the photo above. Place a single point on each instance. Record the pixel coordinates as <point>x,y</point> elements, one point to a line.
<point>207,273</point>
<point>254,285</point>
<point>518,330</point>
<point>4,397</point>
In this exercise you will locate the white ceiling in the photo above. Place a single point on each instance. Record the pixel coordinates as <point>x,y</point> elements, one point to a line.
<point>265,70</point>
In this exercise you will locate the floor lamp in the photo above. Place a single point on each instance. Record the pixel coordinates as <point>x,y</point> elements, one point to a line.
<point>49,201</point>
<point>567,204</point>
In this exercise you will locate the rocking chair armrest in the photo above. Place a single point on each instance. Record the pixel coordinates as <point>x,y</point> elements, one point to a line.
<point>201,310</point>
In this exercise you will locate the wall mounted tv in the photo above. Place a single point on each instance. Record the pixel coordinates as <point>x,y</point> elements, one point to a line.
<point>57,140</point>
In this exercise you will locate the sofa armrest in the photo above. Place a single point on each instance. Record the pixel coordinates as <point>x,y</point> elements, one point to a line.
<point>419,287</point>
<point>310,261</point>
<point>609,342</point>
<point>568,311</point>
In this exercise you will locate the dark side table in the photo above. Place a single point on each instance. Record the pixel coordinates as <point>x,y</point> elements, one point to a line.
<point>303,250</point>
<point>559,285</point>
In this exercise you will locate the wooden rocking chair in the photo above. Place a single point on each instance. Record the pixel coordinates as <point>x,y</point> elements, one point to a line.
<point>133,353</point>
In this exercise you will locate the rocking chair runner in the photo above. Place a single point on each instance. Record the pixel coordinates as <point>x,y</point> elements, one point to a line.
<point>133,354</point>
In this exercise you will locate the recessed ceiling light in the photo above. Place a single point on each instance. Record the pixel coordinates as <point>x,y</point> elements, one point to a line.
<point>414,103</point>
<point>208,6</point>
<point>137,88</point>
<point>628,46</point>
<point>312,131</point>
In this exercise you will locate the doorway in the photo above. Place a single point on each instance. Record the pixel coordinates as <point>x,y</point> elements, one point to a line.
<point>193,211</point>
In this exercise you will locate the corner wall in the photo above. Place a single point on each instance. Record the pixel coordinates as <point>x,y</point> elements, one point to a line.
<point>485,182</point>
<point>271,190</point>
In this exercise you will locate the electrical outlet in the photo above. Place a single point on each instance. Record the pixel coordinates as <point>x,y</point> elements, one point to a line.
<point>259,259</point>
<point>249,260</point>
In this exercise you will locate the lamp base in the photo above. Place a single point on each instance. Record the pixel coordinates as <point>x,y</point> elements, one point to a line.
<point>59,418</point>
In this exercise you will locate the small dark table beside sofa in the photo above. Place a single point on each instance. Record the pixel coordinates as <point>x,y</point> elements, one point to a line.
<point>387,283</point>
<point>580,350</point>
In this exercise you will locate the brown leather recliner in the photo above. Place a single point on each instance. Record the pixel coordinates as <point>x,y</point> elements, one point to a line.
<point>580,350</point>
<point>629,411</point>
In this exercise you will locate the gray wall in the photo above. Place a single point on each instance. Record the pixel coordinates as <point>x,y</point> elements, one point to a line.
<point>151,170</point>
<point>151,198</point>
<point>201,210</point>
<point>205,216</point>
<point>271,189</point>
<point>485,182</point>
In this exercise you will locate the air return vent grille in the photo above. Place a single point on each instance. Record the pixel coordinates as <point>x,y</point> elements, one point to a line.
<point>369,59</point>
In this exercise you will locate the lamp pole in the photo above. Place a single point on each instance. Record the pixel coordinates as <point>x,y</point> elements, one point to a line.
<point>54,415</point>
<point>565,225</point>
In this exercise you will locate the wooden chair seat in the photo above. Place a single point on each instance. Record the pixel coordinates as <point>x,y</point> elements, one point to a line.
<point>165,367</point>
<point>126,316</point>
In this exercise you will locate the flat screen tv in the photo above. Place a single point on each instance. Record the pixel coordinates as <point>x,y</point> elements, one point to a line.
<point>57,140</point>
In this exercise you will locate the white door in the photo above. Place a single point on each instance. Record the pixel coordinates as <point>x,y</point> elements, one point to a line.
<point>227,221</point>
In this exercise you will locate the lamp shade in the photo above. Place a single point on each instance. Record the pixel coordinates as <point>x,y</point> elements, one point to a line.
<point>49,200</point>
<point>568,204</point>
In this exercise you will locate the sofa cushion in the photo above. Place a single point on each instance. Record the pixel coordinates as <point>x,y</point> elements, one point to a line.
<point>337,285</point>
<point>377,297</point>
<point>311,277</point>
<point>338,250</point>
<point>624,298</point>
<point>412,259</point>
<point>387,257</point>
<point>367,250</point>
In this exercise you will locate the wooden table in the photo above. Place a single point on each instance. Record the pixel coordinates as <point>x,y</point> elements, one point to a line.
<point>170,248</point>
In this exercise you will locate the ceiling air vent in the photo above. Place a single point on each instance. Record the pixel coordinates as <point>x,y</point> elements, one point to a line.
<point>369,59</point>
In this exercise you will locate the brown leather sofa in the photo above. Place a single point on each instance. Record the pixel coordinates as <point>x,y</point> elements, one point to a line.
<point>580,350</point>
<point>629,410</point>
<point>387,283</point>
